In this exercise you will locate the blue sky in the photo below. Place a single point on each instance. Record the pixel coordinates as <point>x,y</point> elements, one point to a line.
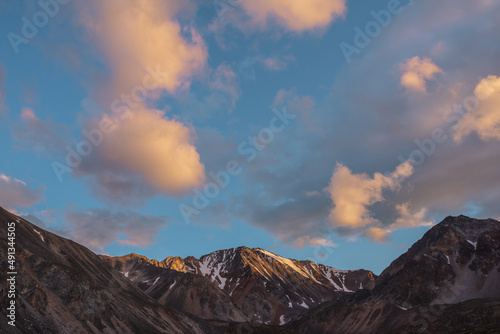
<point>393,123</point>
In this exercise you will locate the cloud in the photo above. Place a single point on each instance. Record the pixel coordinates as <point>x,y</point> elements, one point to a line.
<point>139,37</point>
<point>405,219</point>
<point>294,15</point>
<point>415,73</point>
<point>302,242</point>
<point>145,153</point>
<point>15,193</point>
<point>458,176</point>
<point>367,127</point>
<point>43,136</point>
<point>298,105</point>
<point>276,63</point>
<point>273,63</point>
<point>216,97</point>
<point>376,234</point>
<point>97,228</point>
<point>484,120</point>
<point>148,52</point>
<point>225,80</point>
<point>297,220</point>
<point>352,194</point>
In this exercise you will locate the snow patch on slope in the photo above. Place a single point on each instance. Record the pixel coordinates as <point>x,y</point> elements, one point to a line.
<point>40,234</point>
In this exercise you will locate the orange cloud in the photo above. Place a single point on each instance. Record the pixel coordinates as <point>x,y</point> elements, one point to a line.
<point>408,218</point>
<point>141,36</point>
<point>415,73</point>
<point>295,15</point>
<point>159,149</point>
<point>302,242</point>
<point>485,120</point>
<point>352,194</point>
<point>376,234</point>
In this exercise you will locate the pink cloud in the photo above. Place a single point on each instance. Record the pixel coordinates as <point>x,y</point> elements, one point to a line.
<point>15,193</point>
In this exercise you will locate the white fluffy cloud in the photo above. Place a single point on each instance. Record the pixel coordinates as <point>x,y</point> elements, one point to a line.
<point>415,73</point>
<point>485,120</point>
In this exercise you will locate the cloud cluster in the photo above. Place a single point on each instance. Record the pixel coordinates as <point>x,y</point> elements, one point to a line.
<point>415,73</point>
<point>15,193</point>
<point>367,123</point>
<point>295,15</point>
<point>97,228</point>
<point>149,52</point>
<point>484,120</point>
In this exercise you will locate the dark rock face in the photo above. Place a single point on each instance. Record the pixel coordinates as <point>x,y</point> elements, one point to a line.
<point>240,284</point>
<point>62,287</point>
<point>439,285</point>
<point>456,260</point>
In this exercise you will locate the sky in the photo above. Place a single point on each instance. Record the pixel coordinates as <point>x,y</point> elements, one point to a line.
<point>337,131</point>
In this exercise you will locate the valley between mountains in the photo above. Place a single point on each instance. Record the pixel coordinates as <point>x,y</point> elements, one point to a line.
<point>447,282</point>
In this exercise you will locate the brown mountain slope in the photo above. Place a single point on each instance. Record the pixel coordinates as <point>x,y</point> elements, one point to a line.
<point>179,290</point>
<point>62,287</point>
<point>243,284</point>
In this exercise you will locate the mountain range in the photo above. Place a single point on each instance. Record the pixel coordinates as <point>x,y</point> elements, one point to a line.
<point>447,282</point>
